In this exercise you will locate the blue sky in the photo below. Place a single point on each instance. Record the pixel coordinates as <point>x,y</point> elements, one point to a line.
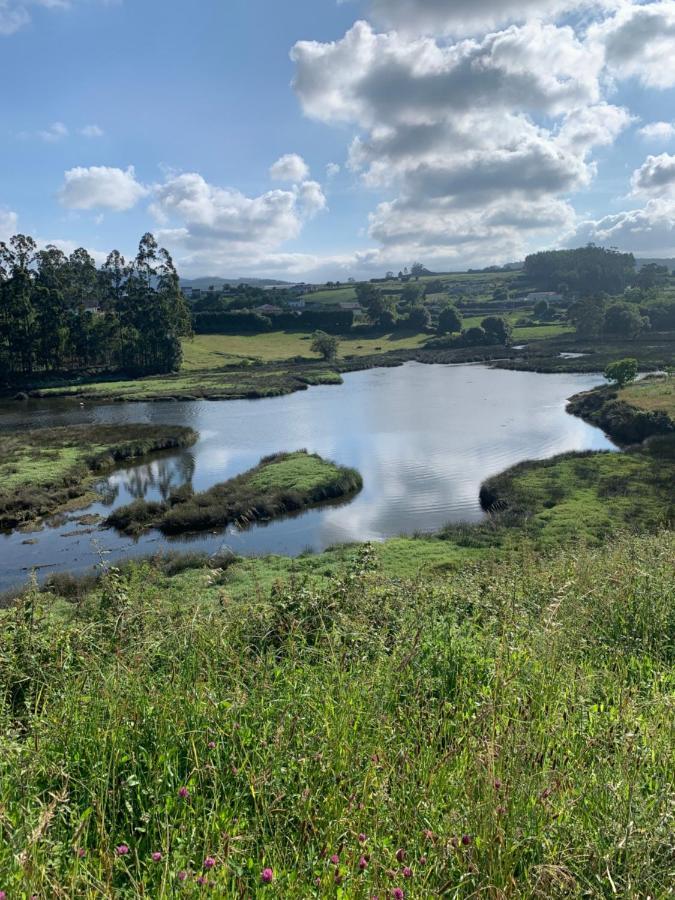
<point>450,165</point>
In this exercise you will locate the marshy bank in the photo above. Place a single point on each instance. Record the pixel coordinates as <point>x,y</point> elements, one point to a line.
<point>44,469</point>
<point>630,414</point>
<point>237,378</point>
<point>423,437</point>
<point>280,484</point>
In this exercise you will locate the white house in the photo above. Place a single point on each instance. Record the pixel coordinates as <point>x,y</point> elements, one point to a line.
<point>549,296</point>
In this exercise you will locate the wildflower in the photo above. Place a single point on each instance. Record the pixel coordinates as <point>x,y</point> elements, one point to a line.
<point>397,894</point>
<point>501,810</point>
<point>498,784</point>
<point>156,856</point>
<point>182,875</point>
<point>209,862</point>
<point>267,875</point>
<point>362,838</point>
<point>407,872</point>
<point>423,860</point>
<point>81,853</point>
<point>400,854</point>
<point>337,878</point>
<point>363,863</point>
<point>428,834</point>
<point>335,859</point>
<point>122,850</point>
<point>466,840</point>
<point>212,745</point>
<point>202,881</point>
<point>3,895</point>
<point>317,882</point>
<point>183,793</point>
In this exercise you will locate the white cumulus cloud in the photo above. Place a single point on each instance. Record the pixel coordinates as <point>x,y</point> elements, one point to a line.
<point>639,42</point>
<point>455,131</point>
<point>655,177</point>
<point>101,187</point>
<point>658,131</point>
<point>649,230</point>
<point>470,16</point>
<point>210,225</point>
<point>290,168</point>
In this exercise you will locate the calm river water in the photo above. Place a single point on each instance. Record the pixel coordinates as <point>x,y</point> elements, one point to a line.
<point>424,437</point>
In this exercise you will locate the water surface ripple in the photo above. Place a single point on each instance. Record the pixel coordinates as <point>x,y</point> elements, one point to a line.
<point>424,437</point>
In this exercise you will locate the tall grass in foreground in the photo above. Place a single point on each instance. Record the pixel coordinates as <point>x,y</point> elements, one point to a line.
<point>503,732</point>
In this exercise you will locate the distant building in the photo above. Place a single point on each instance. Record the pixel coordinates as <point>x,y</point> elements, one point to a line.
<point>92,306</point>
<point>302,288</point>
<point>549,296</point>
<point>268,310</point>
<point>353,305</point>
<point>297,304</point>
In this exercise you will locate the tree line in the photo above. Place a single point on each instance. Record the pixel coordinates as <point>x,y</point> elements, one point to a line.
<point>585,270</point>
<point>62,313</point>
<point>249,321</point>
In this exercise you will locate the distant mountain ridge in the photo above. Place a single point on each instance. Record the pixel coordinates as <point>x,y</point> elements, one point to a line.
<point>645,261</point>
<point>203,283</point>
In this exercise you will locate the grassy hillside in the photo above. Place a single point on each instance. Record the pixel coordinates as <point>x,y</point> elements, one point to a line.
<point>502,731</point>
<point>212,351</point>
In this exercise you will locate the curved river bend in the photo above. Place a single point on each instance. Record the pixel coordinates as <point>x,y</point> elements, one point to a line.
<point>424,437</point>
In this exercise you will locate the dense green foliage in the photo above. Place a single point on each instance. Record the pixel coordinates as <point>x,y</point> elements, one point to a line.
<point>449,320</point>
<point>44,468</point>
<point>252,322</point>
<point>62,314</point>
<point>501,731</point>
<point>586,270</point>
<point>326,345</point>
<point>622,372</point>
<point>279,484</point>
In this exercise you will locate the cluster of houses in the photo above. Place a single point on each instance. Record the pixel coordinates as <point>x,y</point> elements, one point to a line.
<point>270,309</point>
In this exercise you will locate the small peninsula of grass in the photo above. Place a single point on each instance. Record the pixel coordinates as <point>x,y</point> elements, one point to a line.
<point>43,469</point>
<point>632,414</point>
<point>279,484</point>
<point>586,497</point>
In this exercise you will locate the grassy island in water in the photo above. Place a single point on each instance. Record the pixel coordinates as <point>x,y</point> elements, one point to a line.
<point>41,470</point>
<point>278,485</point>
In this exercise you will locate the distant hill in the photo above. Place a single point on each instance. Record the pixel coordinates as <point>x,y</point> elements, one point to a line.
<point>645,261</point>
<point>205,282</point>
